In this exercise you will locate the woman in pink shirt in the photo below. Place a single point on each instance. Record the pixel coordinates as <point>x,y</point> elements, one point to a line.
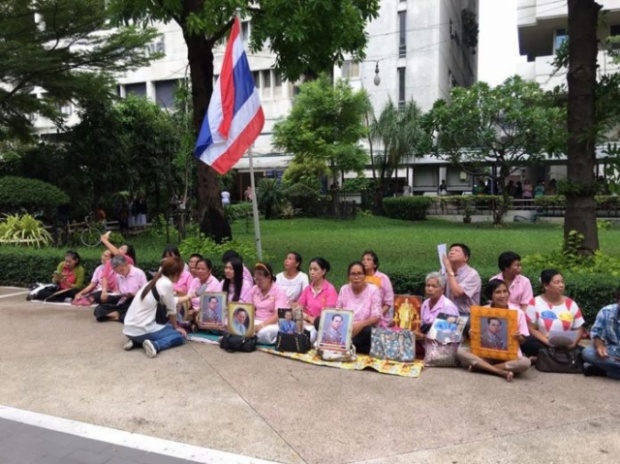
<point>93,289</point>
<point>267,298</point>
<point>364,300</point>
<point>204,282</point>
<point>374,276</point>
<point>233,283</point>
<point>435,303</point>
<point>498,294</point>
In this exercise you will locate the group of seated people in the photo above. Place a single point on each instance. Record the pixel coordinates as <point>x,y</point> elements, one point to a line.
<point>121,292</point>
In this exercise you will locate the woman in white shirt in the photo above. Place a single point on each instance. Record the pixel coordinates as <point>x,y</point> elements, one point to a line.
<point>140,325</point>
<point>292,280</point>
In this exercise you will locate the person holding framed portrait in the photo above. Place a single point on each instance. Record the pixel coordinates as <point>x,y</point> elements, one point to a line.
<point>494,337</point>
<point>203,283</point>
<point>267,298</point>
<point>435,303</point>
<point>364,300</point>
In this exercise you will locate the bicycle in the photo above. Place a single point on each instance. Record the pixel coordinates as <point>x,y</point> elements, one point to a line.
<point>91,235</point>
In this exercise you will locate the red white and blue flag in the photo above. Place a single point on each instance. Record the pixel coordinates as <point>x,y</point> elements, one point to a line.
<point>235,117</point>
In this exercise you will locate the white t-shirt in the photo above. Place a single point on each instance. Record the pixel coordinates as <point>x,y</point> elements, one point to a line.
<point>292,287</point>
<point>225,198</point>
<point>140,318</point>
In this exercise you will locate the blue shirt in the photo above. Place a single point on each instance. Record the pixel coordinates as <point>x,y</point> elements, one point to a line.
<point>607,325</point>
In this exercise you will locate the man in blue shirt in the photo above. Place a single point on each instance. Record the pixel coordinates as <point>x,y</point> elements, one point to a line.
<point>604,353</point>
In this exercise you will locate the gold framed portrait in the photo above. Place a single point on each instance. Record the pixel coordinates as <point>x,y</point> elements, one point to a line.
<point>492,333</point>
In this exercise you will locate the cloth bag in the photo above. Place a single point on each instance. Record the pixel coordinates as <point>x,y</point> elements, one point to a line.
<point>393,345</point>
<point>233,343</point>
<point>349,355</point>
<point>296,343</point>
<point>560,361</point>
<point>161,313</point>
<point>440,355</point>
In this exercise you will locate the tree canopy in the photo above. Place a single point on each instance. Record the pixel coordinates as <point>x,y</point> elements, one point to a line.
<point>507,126</point>
<point>325,126</point>
<point>64,49</point>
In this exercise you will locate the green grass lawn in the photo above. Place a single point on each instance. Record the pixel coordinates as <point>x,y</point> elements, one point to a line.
<point>405,245</point>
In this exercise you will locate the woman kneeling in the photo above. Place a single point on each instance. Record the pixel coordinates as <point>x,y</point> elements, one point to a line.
<point>140,325</point>
<point>498,294</point>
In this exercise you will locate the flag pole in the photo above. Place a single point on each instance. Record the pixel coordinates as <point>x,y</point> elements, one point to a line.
<point>259,248</point>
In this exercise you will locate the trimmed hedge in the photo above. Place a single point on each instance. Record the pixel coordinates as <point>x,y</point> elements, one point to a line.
<point>31,194</point>
<point>407,208</point>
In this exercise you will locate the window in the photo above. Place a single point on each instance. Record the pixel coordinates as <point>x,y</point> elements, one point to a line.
<point>66,109</point>
<point>164,93</point>
<point>560,37</point>
<point>256,76</point>
<point>266,89</point>
<point>401,87</point>
<point>277,85</point>
<point>614,36</point>
<point>136,89</point>
<point>245,31</point>
<point>402,30</point>
<point>350,69</point>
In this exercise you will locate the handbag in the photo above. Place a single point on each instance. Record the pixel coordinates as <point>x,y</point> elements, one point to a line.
<point>393,345</point>
<point>560,361</point>
<point>338,356</point>
<point>296,343</point>
<point>440,355</point>
<point>161,313</point>
<point>233,343</point>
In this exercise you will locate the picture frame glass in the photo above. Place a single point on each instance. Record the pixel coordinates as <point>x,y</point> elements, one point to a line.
<point>240,320</point>
<point>491,333</point>
<point>335,329</point>
<point>213,313</point>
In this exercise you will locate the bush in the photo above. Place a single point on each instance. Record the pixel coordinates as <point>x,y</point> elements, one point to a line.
<point>238,211</point>
<point>207,247</point>
<point>304,198</point>
<point>407,208</point>
<point>29,194</point>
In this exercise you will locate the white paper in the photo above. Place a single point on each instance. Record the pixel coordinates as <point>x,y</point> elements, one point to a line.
<point>441,252</point>
<point>562,338</point>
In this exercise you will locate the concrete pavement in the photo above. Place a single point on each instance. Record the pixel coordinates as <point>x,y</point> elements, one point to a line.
<point>58,360</point>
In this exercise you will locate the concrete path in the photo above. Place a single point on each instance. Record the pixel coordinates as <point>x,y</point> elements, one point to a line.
<point>56,360</point>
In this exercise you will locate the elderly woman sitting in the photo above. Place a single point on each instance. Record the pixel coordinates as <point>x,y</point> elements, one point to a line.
<point>435,303</point>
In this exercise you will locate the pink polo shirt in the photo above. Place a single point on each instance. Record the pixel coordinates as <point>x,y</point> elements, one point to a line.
<point>245,296</point>
<point>182,285</point>
<point>443,305</point>
<point>211,285</point>
<point>520,289</point>
<point>267,305</point>
<point>365,305</point>
<point>314,303</point>
<point>132,282</point>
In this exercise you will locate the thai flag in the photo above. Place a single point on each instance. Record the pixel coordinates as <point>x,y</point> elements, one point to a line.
<point>235,116</point>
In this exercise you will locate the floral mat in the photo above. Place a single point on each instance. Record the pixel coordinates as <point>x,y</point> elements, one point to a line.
<point>411,370</point>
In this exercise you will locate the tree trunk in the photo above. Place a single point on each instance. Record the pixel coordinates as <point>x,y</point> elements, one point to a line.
<point>214,223</point>
<point>581,157</point>
<point>501,209</point>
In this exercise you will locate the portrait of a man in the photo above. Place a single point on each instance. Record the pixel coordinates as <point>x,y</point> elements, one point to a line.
<point>494,336</point>
<point>240,322</point>
<point>332,335</point>
<point>212,312</point>
<point>287,324</point>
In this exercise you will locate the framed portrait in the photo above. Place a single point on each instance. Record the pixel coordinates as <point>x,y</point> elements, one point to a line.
<point>183,312</point>
<point>212,313</point>
<point>407,312</point>
<point>491,333</point>
<point>241,319</point>
<point>447,328</point>
<point>335,328</point>
<point>290,321</point>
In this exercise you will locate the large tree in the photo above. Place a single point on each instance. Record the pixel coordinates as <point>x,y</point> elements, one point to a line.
<point>582,123</point>
<point>325,126</point>
<point>399,134</point>
<point>64,49</point>
<point>507,126</point>
<point>307,36</point>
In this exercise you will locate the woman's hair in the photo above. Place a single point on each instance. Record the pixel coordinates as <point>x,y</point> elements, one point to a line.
<point>207,262</point>
<point>171,250</point>
<point>506,259</point>
<point>493,285</point>
<point>547,275</point>
<point>322,263</point>
<point>74,256</point>
<point>195,255</point>
<point>237,266</point>
<point>354,263</point>
<point>170,267</point>
<point>373,255</point>
<point>131,252</point>
<point>297,258</point>
<point>228,254</point>
<point>265,270</point>
<point>438,276</point>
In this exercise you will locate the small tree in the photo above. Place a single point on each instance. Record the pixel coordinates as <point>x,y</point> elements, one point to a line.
<point>507,126</point>
<point>400,134</point>
<point>325,126</point>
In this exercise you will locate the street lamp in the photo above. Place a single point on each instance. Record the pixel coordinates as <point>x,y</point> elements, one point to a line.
<point>377,79</point>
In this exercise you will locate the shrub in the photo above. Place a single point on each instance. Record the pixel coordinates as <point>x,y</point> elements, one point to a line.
<point>29,194</point>
<point>304,198</point>
<point>238,211</point>
<point>407,208</point>
<point>207,247</point>
<point>24,230</point>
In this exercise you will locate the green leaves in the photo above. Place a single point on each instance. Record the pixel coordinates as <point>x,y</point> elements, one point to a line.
<point>23,230</point>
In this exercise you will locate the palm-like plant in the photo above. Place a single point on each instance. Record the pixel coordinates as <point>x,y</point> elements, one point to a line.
<point>400,133</point>
<point>25,230</point>
<point>271,196</point>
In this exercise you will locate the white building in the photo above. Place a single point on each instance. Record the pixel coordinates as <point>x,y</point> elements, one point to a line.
<point>419,47</point>
<point>542,27</point>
